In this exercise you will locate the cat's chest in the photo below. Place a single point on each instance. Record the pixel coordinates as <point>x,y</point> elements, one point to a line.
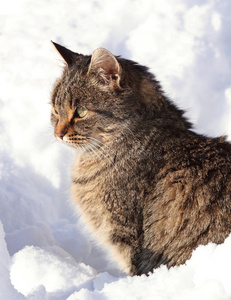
<point>86,181</point>
<point>90,187</point>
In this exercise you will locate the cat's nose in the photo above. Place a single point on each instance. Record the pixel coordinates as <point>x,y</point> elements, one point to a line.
<point>60,134</point>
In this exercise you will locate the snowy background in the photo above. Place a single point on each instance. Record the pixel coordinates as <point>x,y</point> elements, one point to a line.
<point>45,250</point>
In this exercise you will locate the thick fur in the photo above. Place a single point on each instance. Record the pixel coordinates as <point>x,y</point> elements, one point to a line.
<point>150,188</point>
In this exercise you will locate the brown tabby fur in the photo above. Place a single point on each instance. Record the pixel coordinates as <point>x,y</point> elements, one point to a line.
<point>151,189</point>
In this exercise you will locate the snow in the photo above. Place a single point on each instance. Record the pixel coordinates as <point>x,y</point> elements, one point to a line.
<point>54,270</point>
<point>45,249</point>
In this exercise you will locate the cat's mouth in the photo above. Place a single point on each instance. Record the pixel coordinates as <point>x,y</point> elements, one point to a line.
<point>74,142</point>
<point>88,144</point>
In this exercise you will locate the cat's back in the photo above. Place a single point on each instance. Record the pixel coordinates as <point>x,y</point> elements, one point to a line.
<point>191,202</point>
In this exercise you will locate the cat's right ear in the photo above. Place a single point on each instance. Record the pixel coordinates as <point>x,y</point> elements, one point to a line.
<point>68,56</point>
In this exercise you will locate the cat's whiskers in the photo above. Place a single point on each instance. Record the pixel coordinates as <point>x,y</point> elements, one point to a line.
<point>93,152</point>
<point>85,149</point>
<point>103,151</point>
<point>111,161</point>
<point>102,145</point>
<point>89,151</point>
<point>98,149</point>
<point>92,147</point>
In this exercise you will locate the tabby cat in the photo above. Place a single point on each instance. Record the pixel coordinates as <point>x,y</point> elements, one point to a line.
<point>150,188</point>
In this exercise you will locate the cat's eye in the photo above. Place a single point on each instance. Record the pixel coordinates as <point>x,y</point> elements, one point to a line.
<point>55,111</point>
<point>82,112</point>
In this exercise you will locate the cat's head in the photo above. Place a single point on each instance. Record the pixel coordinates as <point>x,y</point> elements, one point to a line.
<point>92,103</point>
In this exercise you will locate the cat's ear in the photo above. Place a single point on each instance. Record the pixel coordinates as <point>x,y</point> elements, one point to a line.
<point>105,65</point>
<point>68,56</point>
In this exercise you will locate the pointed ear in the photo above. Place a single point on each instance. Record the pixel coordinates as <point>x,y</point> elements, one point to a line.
<point>68,56</point>
<point>106,65</point>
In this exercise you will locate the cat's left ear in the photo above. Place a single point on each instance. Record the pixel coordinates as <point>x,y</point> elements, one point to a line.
<point>105,65</point>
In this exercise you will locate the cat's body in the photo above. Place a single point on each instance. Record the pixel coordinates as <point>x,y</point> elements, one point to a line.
<point>150,188</point>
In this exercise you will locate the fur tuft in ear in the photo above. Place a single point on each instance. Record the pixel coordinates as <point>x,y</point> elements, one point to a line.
<point>68,56</point>
<point>106,65</point>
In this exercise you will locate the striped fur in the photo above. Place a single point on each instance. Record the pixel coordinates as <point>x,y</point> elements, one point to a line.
<point>149,188</point>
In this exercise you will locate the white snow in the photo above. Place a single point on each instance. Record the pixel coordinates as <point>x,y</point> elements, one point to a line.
<point>45,250</point>
<point>53,269</point>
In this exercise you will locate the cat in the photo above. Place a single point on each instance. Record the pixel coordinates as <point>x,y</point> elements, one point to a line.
<point>146,184</point>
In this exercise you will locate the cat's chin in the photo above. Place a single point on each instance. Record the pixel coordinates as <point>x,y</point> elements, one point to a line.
<point>62,141</point>
<point>72,146</point>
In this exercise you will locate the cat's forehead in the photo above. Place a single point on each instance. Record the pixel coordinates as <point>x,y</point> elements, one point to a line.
<point>73,89</point>
<point>78,86</point>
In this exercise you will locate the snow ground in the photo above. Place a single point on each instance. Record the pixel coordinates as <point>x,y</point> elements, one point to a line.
<point>45,250</point>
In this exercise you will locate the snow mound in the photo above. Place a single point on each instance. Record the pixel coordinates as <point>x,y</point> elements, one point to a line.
<point>37,272</point>
<point>6,288</point>
<point>53,270</point>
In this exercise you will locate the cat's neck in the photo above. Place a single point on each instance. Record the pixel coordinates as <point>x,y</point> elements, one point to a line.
<point>92,158</point>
